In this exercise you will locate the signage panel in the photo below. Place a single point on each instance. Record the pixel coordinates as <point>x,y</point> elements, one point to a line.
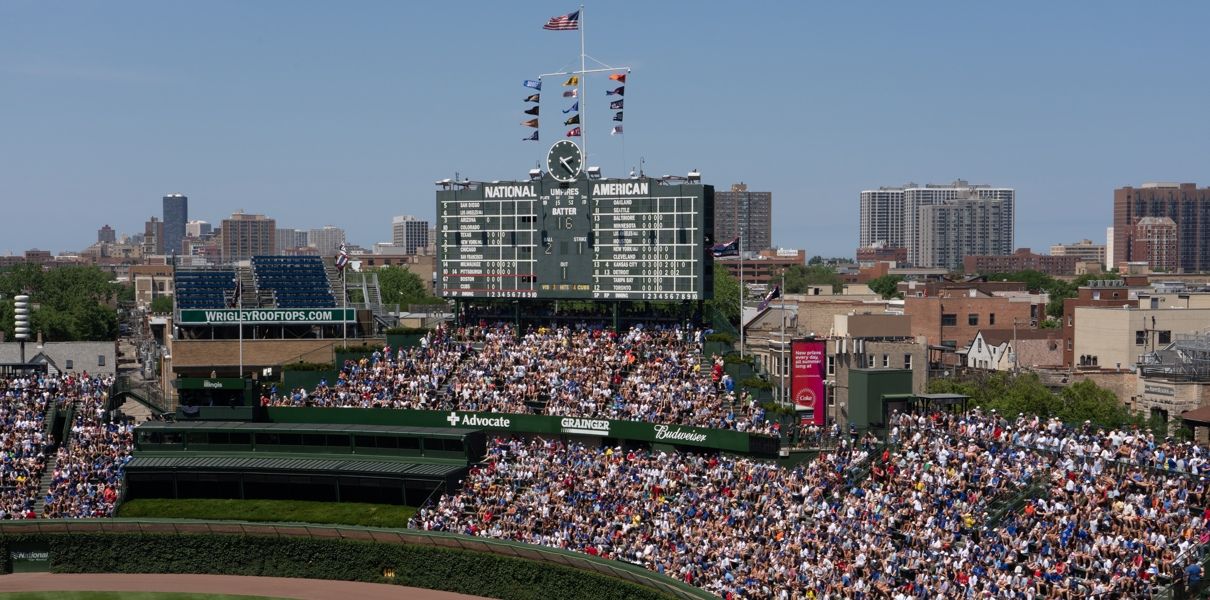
<point>254,316</point>
<point>807,378</point>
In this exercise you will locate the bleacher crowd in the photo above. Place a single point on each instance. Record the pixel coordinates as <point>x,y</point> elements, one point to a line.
<point>643,374</point>
<point>1089,514</point>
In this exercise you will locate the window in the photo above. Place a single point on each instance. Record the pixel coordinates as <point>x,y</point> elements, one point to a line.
<point>949,343</point>
<point>991,318</point>
<point>1096,294</point>
<point>1140,338</point>
<point>831,393</point>
<point>1070,321</point>
<point>100,360</point>
<point>831,365</point>
<point>972,319</point>
<point>70,364</point>
<point>1165,337</point>
<point>886,361</point>
<point>949,320</point>
<point>785,366</point>
<point>907,361</point>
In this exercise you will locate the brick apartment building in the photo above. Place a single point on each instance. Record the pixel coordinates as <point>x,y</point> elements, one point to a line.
<point>1021,260</point>
<point>1187,205</point>
<point>954,317</point>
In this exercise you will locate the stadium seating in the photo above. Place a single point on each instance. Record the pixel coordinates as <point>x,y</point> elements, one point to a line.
<point>296,281</point>
<point>203,288</point>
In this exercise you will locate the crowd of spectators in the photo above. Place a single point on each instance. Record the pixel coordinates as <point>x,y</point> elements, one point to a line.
<point>643,374</point>
<point>1090,515</point>
<point>87,478</point>
<point>23,439</point>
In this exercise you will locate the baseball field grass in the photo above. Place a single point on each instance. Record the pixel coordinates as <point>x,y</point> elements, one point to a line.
<point>277,511</point>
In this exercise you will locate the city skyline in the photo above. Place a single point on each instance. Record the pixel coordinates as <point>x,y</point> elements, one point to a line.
<point>347,117</point>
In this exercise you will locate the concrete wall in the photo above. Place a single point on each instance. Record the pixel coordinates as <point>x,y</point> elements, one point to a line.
<point>1109,334</point>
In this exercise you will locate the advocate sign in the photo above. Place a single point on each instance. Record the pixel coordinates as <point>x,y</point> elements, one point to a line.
<point>257,316</point>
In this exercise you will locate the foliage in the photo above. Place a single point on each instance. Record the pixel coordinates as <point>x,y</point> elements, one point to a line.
<point>161,304</point>
<point>291,511</point>
<point>431,567</point>
<point>756,383</point>
<point>1057,289</point>
<point>70,303</point>
<point>886,286</point>
<point>723,337</point>
<point>1076,403</point>
<point>307,366</point>
<point>1051,324</point>
<point>726,295</point>
<point>735,358</point>
<point>799,278</point>
<point>401,286</point>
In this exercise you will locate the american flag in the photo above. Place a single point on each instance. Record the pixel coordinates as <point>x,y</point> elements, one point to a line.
<point>342,257</point>
<point>568,22</point>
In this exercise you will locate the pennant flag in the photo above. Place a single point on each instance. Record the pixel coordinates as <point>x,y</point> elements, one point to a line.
<point>771,296</point>
<point>568,22</point>
<point>571,93</point>
<point>574,107</point>
<point>617,117</point>
<point>574,120</point>
<point>729,249</point>
<point>530,123</point>
<point>530,83</point>
<point>342,257</point>
<point>532,138</point>
<point>616,105</point>
<point>573,80</point>
<point>533,98</point>
<point>618,77</point>
<point>573,132</point>
<point>621,91</point>
<point>532,111</point>
<point>616,130</point>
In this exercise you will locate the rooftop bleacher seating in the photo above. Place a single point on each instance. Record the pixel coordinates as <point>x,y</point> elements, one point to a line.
<point>203,288</point>
<point>296,281</point>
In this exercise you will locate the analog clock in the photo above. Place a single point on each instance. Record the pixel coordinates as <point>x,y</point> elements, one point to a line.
<point>564,161</point>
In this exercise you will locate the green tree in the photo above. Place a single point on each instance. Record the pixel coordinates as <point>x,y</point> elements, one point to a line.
<point>726,295</point>
<point>799,278</point>
<point>887,286</point>
<point>68,303</point>
<point>1009,395</point>
<point>401,286</point>
<point>161,304</point>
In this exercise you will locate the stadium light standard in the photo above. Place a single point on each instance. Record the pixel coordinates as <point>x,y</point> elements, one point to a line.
<point>21,321</point>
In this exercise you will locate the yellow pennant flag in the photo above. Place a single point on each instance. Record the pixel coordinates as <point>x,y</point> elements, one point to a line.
<point>573,80</point>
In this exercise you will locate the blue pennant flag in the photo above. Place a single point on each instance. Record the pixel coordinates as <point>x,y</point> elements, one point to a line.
<point>574,107</point>
<point>531,138</point>
<point>530,83</point>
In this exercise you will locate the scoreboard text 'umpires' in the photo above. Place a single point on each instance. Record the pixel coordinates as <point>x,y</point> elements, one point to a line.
<point>605,239</point>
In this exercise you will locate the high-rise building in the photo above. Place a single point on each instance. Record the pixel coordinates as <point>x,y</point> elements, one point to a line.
<point>198,229</point>
<point>176,215</point>
<point>153,236</point>
<point>245,235</point>
<point>954,229</point>
<point>410,233</point>
<point>882,218</point>
<point>748,215</point>
<point>1083,250</point>
<point>327,240</point>
<point>106,235</point>
<point>1187,205</point>
<point>896,216</point>
<point>1156,241</point>
<point>290,239</point>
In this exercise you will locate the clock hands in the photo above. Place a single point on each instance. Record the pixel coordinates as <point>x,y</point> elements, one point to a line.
<point>563,161</point>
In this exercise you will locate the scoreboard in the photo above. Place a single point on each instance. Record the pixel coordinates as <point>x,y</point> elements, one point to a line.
<point>603,239</point>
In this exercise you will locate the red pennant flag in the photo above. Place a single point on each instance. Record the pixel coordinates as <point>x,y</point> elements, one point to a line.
<point>618,77</point>
<point>573,132</point>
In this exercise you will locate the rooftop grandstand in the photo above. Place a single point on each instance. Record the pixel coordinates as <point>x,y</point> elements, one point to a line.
<point>268,282</point>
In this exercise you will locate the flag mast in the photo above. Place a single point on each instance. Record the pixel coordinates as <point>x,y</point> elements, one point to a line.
<point>583,93</point>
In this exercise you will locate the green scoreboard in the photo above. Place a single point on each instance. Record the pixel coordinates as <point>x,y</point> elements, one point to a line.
<point>565,236</point>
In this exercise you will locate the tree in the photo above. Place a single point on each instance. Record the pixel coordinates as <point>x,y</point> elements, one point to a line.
<point>68,303</point>
<point>886,286</point>
<point>401,286</point>
<point>1009,395</point>
<point>726,295</point>
<point>799,278</point>
<point>161,304</point>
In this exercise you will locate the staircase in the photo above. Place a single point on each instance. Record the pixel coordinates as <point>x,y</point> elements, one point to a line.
<point>48,476</point>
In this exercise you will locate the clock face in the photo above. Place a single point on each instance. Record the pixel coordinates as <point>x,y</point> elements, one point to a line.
<point>564,161</point>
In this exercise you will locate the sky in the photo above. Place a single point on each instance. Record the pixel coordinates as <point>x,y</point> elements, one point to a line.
<point>319,113</point>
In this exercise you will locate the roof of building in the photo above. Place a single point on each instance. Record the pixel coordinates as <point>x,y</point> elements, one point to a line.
<point>996,337</point>
<point>1201,416</point>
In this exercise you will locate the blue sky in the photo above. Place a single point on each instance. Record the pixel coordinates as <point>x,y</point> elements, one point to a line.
<point>345,113</point>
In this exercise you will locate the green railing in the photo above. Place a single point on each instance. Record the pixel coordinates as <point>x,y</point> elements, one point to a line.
<point>611,568</point>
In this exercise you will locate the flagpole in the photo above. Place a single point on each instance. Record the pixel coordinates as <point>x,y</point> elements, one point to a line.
<point>583,94</point>
<point>344,306</point>
<point>740,246</point>
<point>781,368</point>
<point>239,300</point>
